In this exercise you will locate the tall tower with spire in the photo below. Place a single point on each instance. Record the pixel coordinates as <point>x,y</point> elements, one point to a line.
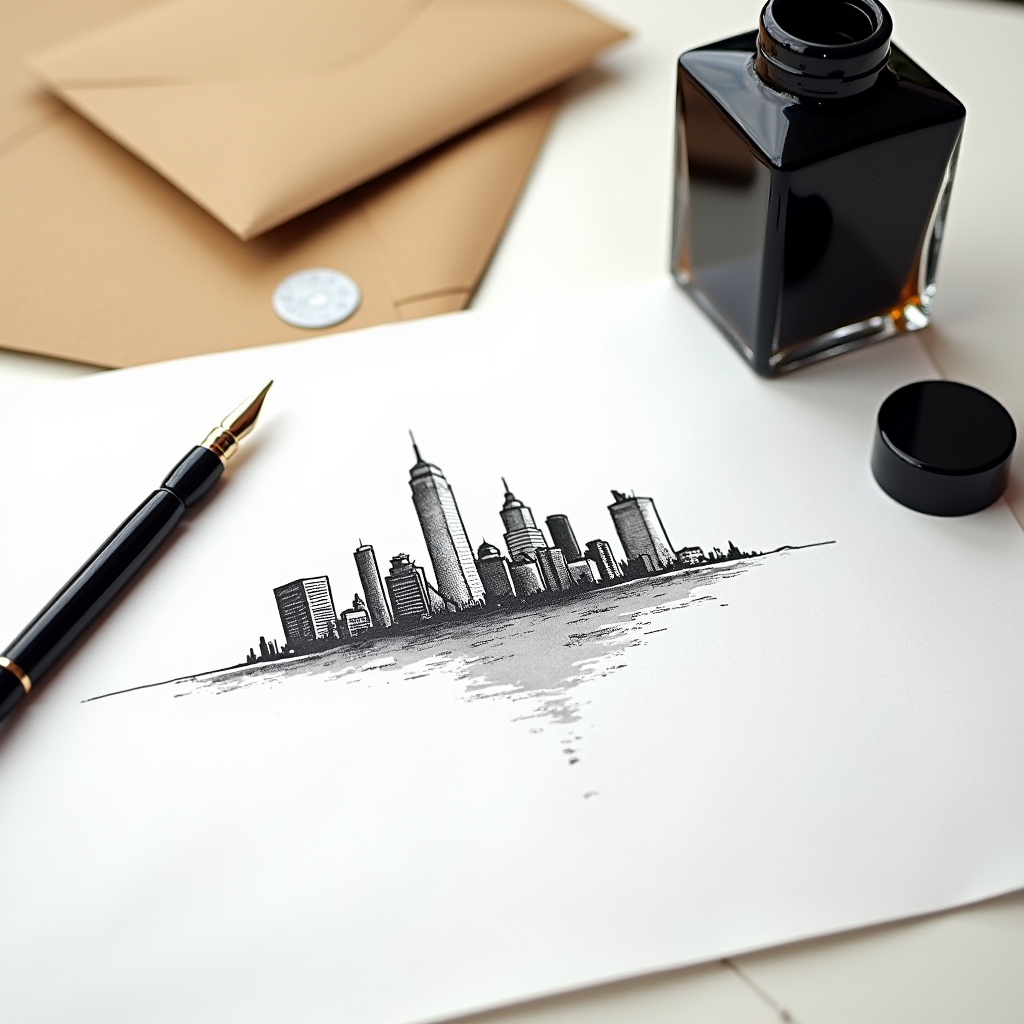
<point>522,535</point>
<point>445,534</point>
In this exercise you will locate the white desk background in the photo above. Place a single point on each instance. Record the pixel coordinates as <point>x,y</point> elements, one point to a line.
<point>596,212</point>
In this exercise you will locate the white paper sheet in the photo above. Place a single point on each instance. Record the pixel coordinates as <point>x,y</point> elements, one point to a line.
<point>500,806</point>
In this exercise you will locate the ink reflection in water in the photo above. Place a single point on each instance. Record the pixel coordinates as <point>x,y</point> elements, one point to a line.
<point>537,659</point>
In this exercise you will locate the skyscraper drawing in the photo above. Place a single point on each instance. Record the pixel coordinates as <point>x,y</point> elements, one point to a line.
<point>601,554</point>
<point>525,576</point>
<point>522,535</point>
<point>640,530</point>
<point>581,572</point>
<point>307,611</point>
<point>484,586</point>
<point>553,569</point>
<point>563,537</point>
<point>373,586</point>
<point>407,588</point>
<point>494,572</point>
<point>641,565</point>
<point>355,620</point>
<point>690,556</point>
<point>445,534</point>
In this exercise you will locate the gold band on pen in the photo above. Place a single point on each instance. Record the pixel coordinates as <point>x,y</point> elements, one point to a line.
<point>17,672</point>
<point>222,443</point>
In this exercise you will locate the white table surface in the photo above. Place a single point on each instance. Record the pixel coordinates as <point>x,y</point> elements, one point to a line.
<point>596,212</point>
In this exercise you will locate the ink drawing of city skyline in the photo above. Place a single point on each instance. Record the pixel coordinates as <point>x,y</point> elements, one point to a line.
<point>459,580</point>
<point>530,610</point>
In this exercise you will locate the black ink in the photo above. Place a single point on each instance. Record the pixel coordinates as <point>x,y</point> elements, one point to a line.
<point>486,602</point>
<point>811,183</point>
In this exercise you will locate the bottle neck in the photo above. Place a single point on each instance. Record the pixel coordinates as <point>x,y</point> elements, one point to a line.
<point>821,49</point>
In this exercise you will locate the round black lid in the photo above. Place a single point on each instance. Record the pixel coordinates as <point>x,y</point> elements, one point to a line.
<point>943,448</point>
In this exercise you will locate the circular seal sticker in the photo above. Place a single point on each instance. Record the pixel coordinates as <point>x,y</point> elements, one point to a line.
<point>317,297</point>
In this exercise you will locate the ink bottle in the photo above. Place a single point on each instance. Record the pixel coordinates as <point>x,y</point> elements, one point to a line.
<point>814,162</point>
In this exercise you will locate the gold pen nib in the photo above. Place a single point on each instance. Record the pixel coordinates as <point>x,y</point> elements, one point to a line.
<point>223,440</point>
<point>241,421</point>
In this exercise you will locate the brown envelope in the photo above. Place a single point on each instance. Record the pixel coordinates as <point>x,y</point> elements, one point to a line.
<point>260,111</point>
<point>103,261</point>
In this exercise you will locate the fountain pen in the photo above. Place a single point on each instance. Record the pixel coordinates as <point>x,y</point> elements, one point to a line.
<point>41,643</point>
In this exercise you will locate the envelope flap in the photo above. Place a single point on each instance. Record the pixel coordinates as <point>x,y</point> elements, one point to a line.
<point>217,40</point>
<point>29,25</point>
<point>257,149</point>
<point>112,265</point>
<point>435,219</point>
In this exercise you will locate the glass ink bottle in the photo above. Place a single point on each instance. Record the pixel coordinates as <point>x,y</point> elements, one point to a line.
<point>814,162</point>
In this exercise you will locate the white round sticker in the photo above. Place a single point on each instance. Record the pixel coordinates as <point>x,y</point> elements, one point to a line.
<point>318,297</point>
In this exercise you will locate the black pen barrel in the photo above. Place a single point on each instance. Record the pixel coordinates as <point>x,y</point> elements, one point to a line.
<point>95,585</point>
<point>38,646</point>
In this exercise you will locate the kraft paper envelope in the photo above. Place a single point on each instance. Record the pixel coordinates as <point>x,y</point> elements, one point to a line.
<point>260,111</point>
<point>103,261</point>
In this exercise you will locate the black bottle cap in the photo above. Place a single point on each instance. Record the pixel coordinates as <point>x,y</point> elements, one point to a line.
<point>943,448</point>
